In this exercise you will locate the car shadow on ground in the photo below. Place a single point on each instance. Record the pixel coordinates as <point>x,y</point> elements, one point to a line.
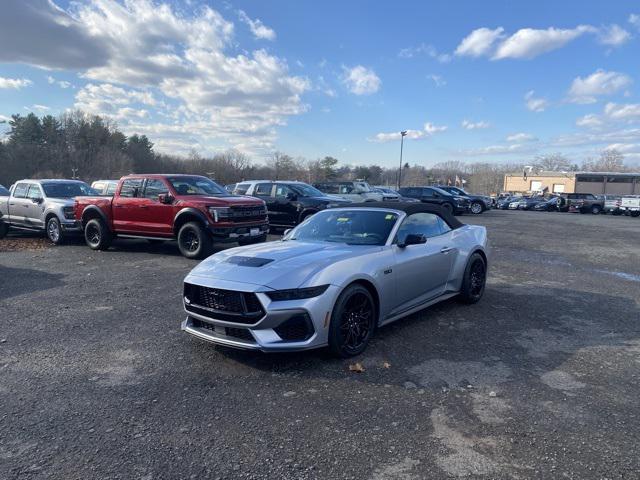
<point>516,331</point>
<point>19,281</point>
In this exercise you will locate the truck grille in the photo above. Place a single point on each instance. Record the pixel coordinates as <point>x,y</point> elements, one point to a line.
<point>248,214</point>
<point>218,304</point>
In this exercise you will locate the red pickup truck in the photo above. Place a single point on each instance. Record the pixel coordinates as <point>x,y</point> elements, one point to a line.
<point>191,209</point>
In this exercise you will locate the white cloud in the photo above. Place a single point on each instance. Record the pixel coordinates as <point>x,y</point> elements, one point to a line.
<point>634,19</point>
<point>468,125</point>
<point>480,42</point>
<point>179,56</point>
<point>613,35</point>
<point>585,90</point>
<point>500,149</point>
<point>424,49</point>
<point>437,80</point>
<point>256,26</point>
<point>589,121</point>
<point>521,138</point>
<point>629,111</point>
<point>38,108</point>
<point>428,130</point>
<point>61,83</point>
<point>15,83</point>
<point>534,103</point>
<point>529,42</point>
<point>361,80</point>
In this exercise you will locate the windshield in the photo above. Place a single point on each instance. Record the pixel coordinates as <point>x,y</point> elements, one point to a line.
<point>306,190</point>
<point>196,186</point>
<point>442,192</point>
<point>67,190</point>
<point>3,192</point>
<point>353,227</point>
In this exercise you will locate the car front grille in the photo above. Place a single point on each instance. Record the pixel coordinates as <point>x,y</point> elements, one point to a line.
<point>295,329</point>
<point>219,304</point>
<point>248,214</point>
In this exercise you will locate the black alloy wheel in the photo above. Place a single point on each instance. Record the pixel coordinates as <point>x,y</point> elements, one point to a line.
<point>97,234</point>
<point>474,280</point>
<point>352,322</point>
<point>194,241</point>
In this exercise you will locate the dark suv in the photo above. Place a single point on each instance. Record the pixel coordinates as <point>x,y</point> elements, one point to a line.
<point>288,203</point>
<point>581,202</point>
<point>477,203</point>
<point>454,203</point>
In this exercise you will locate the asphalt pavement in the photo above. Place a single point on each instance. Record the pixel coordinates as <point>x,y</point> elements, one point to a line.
<point>538,380</point>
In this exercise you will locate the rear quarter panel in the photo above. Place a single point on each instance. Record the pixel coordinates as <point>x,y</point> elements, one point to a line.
<point>467,240</point>
<point>102,203</point>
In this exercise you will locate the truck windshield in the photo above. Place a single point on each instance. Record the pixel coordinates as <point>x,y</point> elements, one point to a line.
<point>196,186</point>
<point>67,190</point>
<point>353,227</point>
<point>3,192</point>
<point>306,190</point>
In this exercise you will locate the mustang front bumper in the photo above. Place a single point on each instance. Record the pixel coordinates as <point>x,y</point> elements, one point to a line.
<point>283,326</point>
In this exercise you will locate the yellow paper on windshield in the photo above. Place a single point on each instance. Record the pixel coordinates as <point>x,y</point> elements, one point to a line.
<point>343,219</point>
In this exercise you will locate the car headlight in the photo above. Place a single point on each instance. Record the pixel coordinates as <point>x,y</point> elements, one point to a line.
<point>296,293</point>
<point>219,213</point>
<point>68,212</point>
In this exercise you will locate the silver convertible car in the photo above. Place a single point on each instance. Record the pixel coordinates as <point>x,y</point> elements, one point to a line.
<point>335,278</point>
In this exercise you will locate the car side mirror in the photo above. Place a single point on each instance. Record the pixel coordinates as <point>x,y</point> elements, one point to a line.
<point>165,198</point>
<point>412,239</point>
<point>287,232</point>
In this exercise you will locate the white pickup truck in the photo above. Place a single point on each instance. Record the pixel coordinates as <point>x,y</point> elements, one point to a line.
<point>631,205</point>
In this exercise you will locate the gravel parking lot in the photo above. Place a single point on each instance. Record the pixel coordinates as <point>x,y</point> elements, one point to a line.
<point>538,380</point>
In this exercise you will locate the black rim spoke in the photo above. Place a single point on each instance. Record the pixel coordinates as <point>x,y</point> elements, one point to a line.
<point>355,321</point>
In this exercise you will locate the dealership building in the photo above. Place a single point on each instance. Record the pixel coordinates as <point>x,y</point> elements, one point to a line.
<point>574,182</point>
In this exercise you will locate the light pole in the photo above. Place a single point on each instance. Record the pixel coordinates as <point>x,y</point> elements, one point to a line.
<point>402,135</point>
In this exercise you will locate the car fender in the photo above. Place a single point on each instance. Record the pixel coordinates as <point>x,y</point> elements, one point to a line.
<point>98,211</point>
<point>190,211</point>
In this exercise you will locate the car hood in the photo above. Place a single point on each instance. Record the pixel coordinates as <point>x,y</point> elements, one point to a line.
<point>60,202</point>
<point>277,265</point>
<point>330,199</point>
<point>222,201</point>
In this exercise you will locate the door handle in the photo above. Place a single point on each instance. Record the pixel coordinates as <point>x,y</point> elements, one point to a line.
<point>446,249</point>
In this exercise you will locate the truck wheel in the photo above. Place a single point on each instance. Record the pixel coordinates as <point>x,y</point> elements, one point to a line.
<point>476,208</point>
<point>54,231</point>
<point>448,207</point>
<point>595,209</point>
<point>4,229</point>
<point>97,234</point>
<point>635,214</point>
<point>194,241</point>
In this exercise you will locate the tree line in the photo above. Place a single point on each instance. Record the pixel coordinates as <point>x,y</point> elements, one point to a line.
<point>77,145</point>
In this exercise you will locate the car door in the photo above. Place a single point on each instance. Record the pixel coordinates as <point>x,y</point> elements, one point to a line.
<point>17,204</point>
<point>155,218</point>
<point>125,206</point>
<point>33,208</point>
<point>422,270</point>
<point>285,205</point>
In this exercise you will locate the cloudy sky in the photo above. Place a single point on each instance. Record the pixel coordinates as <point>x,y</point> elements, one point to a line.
<point>473,81</point>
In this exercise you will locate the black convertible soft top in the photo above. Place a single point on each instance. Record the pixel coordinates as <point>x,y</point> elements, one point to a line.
<point>411,208</point>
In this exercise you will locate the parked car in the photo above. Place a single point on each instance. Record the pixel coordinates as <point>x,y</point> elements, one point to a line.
<point>192,209</point>
<point>612,204</point>
<point>548,205</point>
<point>335,278</point>
<point>453,203</point>
<point>352,191</point>
<point>504,202</point>
<point>289,203</point>
<point>105,187</point>
<point>528,203</point>
<point>631,205</point>
<point>43,205</point>
<point>389,194</point>
<point>4,192</point>
<point>230,187</point>
<point>477,203</point>
<point>581,202</point>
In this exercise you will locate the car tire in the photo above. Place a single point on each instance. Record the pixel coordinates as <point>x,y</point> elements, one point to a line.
<point>474,280</point>
<point>448,207</point>
<point>194,241</point>
<point>595,209</point>
<point>635,214</point>
<point>252,240</point>
<point>97,234</point>
<point>353,322</point>
<point>4,229</point>
<point>476,208</point>
<point>54,231</point>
